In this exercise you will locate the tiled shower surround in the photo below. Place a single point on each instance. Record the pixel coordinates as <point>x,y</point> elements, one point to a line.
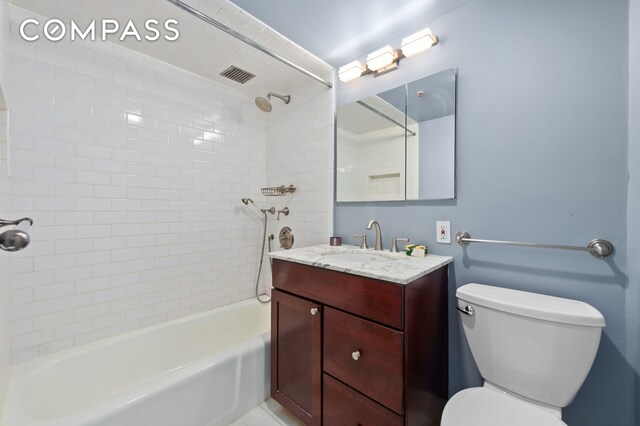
<point>300,151</point>
<point>5,286</point>
<point>133,172</point>
<point>5,209</point>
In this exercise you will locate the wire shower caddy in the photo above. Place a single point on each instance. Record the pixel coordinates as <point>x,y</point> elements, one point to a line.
<point>278,191</point>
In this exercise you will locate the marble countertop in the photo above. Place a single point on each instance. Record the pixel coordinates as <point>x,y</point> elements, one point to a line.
<point>400,269</point>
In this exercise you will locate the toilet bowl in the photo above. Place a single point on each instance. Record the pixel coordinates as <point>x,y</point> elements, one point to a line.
<point>487,407</point>
<point>533,352</point>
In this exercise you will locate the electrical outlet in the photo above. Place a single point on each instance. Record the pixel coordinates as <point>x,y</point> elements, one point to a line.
<point>443,232</point>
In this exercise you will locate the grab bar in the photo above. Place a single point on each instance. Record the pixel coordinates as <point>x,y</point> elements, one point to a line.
<point>598,248</point>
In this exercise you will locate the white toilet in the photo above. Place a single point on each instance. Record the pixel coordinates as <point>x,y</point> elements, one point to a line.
<point>533,351</point>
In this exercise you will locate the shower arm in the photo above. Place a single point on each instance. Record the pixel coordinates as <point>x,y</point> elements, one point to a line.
<point>284,98</point>
<point>209,20</point>
<point>4,222</point>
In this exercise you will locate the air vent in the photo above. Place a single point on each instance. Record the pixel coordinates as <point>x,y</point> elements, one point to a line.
<point>236,74</point>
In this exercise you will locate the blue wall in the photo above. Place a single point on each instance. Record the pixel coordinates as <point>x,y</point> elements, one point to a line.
<point>542,156</point>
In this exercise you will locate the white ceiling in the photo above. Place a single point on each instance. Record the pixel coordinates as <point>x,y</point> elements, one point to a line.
<point>339,31</point>
<point>201,48</point>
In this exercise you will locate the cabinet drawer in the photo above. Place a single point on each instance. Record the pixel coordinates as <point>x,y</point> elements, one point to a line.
<point>344,406</point>
<point>377,300</point>
<point>366,356</point>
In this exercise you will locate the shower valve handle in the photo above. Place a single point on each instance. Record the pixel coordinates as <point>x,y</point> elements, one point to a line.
<point>284,211</point>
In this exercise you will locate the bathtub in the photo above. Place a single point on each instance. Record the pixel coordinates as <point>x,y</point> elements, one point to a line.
<point>205,369</point>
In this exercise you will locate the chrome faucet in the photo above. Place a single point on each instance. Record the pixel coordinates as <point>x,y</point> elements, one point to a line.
<point>378,233</point>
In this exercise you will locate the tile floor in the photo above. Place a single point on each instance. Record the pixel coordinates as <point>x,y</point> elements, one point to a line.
<point>269,413</point>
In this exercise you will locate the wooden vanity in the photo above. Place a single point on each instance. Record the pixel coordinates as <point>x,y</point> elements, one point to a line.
<point>354,350</point>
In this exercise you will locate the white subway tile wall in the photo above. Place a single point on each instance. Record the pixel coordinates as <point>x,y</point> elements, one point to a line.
<point>5,286</point>
<point>349,185</point>
<point>300,141</point>
<point>5,213</point>
<point>133,171</point>
<point>301,152</point>
<point>372,166</point>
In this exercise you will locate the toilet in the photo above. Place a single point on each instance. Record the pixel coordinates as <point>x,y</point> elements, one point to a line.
<point>533,352</point>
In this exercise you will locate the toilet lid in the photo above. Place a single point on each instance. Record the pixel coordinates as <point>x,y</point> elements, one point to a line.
<point>487,407</point>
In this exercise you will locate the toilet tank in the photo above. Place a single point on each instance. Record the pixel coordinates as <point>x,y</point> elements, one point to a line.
<point>540,347</point>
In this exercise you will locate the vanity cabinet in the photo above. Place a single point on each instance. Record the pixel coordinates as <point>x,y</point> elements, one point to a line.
<point>353,350</point>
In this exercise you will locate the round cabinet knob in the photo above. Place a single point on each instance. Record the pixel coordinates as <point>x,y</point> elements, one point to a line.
<point>314,311</point>
<point>355,355</point>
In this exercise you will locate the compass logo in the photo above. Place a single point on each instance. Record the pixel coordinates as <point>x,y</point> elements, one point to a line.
<point>55,30</point>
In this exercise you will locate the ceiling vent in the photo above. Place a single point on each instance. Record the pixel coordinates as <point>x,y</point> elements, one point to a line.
<point>236,74</point>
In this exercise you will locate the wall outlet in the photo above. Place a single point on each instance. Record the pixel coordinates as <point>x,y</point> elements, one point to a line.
<point>443,232</point>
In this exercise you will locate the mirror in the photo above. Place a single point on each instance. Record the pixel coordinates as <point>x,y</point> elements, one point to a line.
<point>399,144</point>
<point>371,148</point>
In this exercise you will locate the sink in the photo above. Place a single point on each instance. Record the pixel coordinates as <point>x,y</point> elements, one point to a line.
<point>357,258</point>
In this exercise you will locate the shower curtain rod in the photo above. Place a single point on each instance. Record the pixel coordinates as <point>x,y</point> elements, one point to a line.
<point>386,117</point>
<point>209,20</point>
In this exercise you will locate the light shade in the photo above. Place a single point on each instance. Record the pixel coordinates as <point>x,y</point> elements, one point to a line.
<point>380,58</point>
<point>418,42</point>
<point>350,71</point>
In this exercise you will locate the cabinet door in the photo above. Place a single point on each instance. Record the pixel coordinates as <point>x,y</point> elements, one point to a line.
<point>296,370</point>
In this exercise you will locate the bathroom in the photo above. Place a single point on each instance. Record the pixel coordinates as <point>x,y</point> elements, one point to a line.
<point>131,157</point>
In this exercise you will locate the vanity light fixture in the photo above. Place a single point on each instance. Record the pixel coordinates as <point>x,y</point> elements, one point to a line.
<point>380,59</point>
<point>418,42</point>
<point>387,59</point>
<point>351,71</point>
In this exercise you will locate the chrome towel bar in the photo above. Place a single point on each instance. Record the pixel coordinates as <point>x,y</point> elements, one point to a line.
<point>598,248</point>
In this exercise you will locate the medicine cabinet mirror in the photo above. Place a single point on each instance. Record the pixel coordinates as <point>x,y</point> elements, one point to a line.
<point>399,144</point>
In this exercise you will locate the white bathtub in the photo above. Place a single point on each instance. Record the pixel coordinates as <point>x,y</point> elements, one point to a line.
<point>206,369</point>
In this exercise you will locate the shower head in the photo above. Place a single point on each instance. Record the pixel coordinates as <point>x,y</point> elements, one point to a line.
<point>246,202</point>
<point>14,240</point>
<point>284,98</point>
<point>263,104</point>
